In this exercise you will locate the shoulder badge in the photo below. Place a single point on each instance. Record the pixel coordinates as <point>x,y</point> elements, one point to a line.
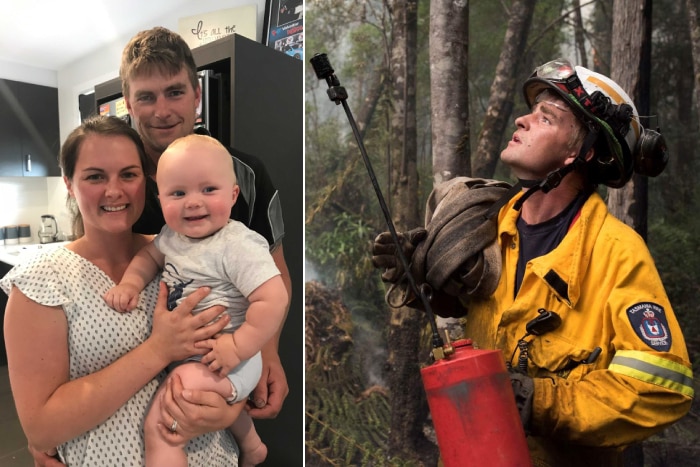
<point>649,322</point>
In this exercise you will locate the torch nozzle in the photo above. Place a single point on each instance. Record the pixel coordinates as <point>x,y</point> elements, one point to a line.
<point>441,351</point>
<point>322,66</point>
<point>324,70</point>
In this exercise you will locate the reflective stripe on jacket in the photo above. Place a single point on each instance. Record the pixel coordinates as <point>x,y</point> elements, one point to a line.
<point>603,283</point>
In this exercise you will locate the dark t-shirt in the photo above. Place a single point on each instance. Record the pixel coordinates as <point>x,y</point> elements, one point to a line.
<point>539,239</point>
<point>258,205</point>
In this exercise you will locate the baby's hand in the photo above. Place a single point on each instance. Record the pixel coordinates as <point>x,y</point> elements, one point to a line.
<point>122,297</point>
<point>222,358</point>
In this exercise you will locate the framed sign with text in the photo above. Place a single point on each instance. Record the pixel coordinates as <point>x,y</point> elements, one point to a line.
<point>207,27</point>
<point>284,27</point>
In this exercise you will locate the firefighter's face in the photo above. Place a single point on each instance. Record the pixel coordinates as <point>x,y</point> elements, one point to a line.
<point>544,140</point>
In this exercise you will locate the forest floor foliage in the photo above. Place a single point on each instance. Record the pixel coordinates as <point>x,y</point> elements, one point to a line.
<point>348,419</point>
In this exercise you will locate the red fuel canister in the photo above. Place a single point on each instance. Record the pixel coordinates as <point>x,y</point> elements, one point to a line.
<point>473,409</point>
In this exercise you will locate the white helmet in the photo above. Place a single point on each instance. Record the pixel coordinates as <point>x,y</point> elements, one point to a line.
<point>599,101</point>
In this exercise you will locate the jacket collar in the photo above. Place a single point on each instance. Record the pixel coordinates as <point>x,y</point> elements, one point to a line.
<point>563,268</point>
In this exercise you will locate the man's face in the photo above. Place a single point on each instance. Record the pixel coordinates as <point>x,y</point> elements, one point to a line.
<point>163,108</point>
<point>542,141</point>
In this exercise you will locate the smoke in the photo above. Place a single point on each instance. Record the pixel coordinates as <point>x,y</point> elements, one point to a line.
<point>369,347</point>
<point>310,272</point>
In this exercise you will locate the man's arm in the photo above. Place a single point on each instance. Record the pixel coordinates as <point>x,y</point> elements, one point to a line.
<point>265,217</point>
<point>272,389</point>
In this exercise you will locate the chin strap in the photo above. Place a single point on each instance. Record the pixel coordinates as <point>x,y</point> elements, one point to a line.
<point>554,178</point>
<point>552,181</point>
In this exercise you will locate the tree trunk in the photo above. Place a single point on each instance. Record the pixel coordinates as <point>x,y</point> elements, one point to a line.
<point>503,89</point>
<point>408,405</point>
<point>601,37</point>
<point>579,34</point>
<point>695,46</point>
<point>679,195</point>
<point>631,69</point>
<point>449,89</point>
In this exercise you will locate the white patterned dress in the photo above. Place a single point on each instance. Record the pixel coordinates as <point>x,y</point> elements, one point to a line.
<point>97,336</point>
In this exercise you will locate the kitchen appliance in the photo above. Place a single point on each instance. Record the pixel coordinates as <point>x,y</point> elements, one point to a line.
<point>25,233</point>
<point>48,230</point>
<point>11,235</point>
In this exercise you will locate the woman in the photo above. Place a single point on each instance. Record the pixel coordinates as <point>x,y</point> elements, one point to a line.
<point>82,375</point>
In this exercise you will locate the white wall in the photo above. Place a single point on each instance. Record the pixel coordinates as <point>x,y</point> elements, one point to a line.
<point>46,195</point>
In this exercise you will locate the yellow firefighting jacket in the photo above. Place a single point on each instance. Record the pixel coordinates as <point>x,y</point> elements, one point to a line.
<point>602,282</point>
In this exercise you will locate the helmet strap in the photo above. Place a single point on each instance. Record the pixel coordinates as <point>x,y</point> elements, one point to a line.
<point>555,177</point>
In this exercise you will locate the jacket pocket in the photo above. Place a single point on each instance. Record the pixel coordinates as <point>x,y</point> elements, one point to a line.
<point>552,354</point>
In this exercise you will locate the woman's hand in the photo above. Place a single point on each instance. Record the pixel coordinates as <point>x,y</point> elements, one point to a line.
<point>175,332</point>
<point>45,459</point>
<point>196,412</point>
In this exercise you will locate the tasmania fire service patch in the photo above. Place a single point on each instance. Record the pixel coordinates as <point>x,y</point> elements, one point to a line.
<point>649,322</point>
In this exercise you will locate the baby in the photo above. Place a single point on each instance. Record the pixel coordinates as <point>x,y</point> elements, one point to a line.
<point>200,246</point>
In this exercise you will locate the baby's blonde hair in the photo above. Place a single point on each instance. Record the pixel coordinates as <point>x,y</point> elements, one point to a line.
<point>203,139</point>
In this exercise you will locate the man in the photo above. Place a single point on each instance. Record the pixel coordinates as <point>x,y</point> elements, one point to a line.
<point>607,365</point>
<point>162,93</point>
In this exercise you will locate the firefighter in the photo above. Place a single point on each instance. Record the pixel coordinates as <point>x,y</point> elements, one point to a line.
<point>604,364</point>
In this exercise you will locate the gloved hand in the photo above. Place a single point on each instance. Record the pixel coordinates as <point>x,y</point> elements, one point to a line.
<point>385,256</point>
<point>524,390</point>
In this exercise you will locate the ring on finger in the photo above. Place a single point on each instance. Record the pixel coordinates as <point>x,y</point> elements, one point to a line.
<point>173,427</point>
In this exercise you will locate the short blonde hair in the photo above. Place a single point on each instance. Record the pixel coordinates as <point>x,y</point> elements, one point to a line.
<point>156,49</point>
<point>206,140</point>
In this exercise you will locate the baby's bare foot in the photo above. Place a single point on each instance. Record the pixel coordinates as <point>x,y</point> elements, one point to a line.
<point>253,457</point>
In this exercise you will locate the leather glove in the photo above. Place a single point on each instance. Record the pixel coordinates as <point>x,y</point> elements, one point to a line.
<point>524,390</point>
<point>385,256</point>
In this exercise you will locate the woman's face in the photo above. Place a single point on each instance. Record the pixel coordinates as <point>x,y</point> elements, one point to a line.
<point>108,184</point>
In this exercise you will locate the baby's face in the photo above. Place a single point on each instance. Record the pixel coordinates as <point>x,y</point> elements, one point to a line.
<point>196,189</point>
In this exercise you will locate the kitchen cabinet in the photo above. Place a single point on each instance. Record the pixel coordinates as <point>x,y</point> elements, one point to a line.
<point>10,144</point>
<point>29,131</point>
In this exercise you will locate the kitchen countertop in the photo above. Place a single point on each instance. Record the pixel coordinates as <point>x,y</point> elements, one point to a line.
<point>15,254</point>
